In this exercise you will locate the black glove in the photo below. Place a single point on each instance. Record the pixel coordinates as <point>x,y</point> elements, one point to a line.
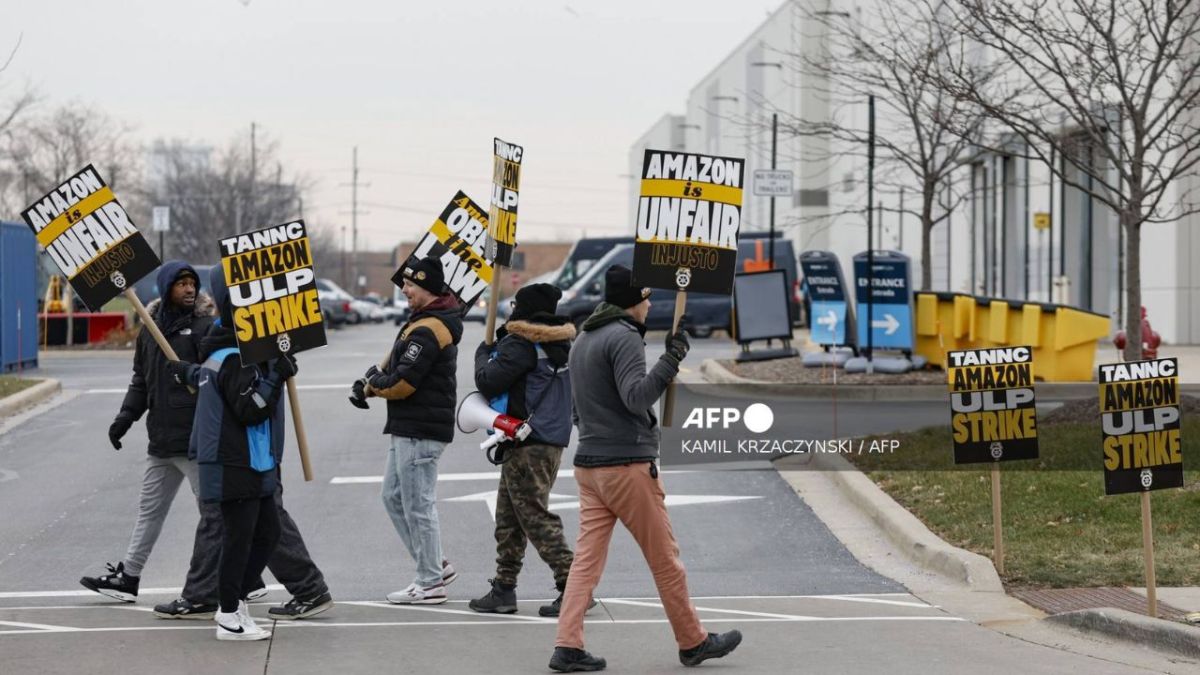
<point>372,372</point>
<point>677,345</point>
<point>358,394</point>
<point>182,372</point>
<point>286,366</point>
<point>119,426</point>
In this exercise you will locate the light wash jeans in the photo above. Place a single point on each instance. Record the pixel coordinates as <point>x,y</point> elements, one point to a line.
<point>410,497</point>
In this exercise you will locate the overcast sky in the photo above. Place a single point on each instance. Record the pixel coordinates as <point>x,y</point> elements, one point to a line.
<point>420,87</point>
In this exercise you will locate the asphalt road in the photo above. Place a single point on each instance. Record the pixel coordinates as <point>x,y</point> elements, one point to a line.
<point>756,556</point>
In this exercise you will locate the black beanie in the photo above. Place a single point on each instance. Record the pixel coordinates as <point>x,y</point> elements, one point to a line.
<point>536,299</point>
<point>619,289</point>
<point>426,273</point>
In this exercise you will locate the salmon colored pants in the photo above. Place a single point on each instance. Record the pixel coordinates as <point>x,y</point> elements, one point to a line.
<point>630,494</point>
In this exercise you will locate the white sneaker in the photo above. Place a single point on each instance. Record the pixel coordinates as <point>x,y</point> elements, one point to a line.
<point>239,625</point>
<point>448,573</point>
<point>415,595</point>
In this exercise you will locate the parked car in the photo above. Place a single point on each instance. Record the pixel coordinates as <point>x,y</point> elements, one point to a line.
<point>387,308</point>
<point>335,303</point>
<point>400,304</point>
<point>706,312</point>
<point>504,308</point>
<point>365,310</point>
<point>478,310</point>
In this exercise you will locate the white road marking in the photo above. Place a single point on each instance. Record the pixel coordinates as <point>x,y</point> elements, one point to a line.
<point>766,615</point>
<point>91,594</point>
<point>478,475</point>
<point>490,497</point>
<point>7,475</point>
<point>37,627</point>
<point>444,610</point>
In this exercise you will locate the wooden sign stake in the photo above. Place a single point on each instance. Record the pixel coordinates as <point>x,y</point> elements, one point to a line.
<point>489,335</point>
<point>298,422</point>
<point>148,322</point>
<point>997,528</point>
<point>1148,551</point>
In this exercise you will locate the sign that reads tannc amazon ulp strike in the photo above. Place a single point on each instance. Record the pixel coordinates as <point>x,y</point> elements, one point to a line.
<point>689,216</point>
<point>502,219</point>
<point>88,234</point>
<point>273,289</point>
<point>457,238</point>
<point>1139,415</point>
<point>993,414</point>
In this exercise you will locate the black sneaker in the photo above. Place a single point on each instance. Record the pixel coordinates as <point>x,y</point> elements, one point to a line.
<point>116,584</point>
<point>555,607</point>
<point>301,609</point>
<point>714,647</point>
<point>184,609</point>
<point>502,599</point>
<point>568,660</point>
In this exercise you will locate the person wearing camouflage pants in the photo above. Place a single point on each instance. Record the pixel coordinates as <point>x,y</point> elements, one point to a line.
<point>524,375</point>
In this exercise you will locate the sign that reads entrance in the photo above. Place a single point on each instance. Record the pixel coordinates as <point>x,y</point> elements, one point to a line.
<point>273,289</point>
<point>689,215</point>
<point>88,234</point>
<point>502,218</point>
<point>992,411</point>
<point>458,238</point>
<point>1140,422</point>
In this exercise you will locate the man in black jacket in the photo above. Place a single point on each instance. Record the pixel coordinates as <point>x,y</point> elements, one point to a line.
<point>417,378</point>
<point>183,315</point>
<point>525,375</point>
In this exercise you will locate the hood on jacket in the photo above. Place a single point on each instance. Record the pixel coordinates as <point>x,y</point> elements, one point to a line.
<point>170,271</point>
<point>554,333</point>
<point>220,294</point>
<point>607,313</point>
<point>204,307</point>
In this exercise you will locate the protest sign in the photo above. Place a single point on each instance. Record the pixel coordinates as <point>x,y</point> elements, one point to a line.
<point>1140,424</point>
<point>89,235</point>
<point>502,218</point>
<point>993,418</point>
<point>457,237</point>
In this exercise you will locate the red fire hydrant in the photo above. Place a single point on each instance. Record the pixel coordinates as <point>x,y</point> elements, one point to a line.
<point>1150,339</point>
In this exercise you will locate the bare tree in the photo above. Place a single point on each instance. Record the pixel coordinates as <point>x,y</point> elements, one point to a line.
<point>1117,77</point>
<point>215,194</point>
<point>895,52</point>
<point>12,111</point>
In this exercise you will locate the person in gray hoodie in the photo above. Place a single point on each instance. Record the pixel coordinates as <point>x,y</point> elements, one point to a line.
<point>617,475</point>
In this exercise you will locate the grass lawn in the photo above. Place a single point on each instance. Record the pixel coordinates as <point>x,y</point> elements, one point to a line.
<point>10,384</point>
<point>1060,530</point>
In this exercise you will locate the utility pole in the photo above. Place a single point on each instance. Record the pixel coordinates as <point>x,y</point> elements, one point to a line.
<point>354,213</point>
<point>771,241</point>
<point>870,230</point>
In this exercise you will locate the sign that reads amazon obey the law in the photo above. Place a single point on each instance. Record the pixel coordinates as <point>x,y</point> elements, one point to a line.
<point>1140,422</point>
<point>457,237</point>
<point>993,417</point>
<point>89,235</point>
<point>689,216</point>
<point>273,289</point>
<point>502,219</point>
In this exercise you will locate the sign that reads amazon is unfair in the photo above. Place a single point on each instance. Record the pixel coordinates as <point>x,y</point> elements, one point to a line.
<point>993,414</point>
<point>88,234</point>
<point>1139,416</point>
<point>689,215</point>
<point>273,289</point>
<point>457,237</point>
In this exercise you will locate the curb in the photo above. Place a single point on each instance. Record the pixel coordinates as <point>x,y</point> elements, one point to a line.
<point>28,397</point>
<point>1125,625</point>
<point>715,373</point>
<point>908,533</point>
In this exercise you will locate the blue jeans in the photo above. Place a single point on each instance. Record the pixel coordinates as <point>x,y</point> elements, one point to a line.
<point>409,495</point>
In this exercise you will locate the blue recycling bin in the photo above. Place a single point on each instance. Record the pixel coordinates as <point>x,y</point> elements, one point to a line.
<point>18,298</point>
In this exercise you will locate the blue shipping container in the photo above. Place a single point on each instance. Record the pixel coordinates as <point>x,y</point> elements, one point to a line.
<point>18,297</point>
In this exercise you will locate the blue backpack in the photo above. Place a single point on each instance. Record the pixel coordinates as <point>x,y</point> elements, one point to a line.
<point>547,401</point>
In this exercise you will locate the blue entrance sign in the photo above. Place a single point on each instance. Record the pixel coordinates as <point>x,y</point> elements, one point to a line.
<point>887,304</point>
<point>829,311</point>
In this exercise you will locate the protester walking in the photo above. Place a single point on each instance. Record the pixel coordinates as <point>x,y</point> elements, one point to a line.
<point>617,474</point>
<point>418,381</point>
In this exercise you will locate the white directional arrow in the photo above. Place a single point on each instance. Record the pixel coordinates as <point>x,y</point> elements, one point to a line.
<point>889,323</point>
<point>489,498</point>
<point>830,319</point>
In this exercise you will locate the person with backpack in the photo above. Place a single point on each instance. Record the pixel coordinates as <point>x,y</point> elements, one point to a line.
<point>524,374</point>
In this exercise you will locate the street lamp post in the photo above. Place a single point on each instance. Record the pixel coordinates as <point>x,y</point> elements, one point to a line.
<point>774,141</point>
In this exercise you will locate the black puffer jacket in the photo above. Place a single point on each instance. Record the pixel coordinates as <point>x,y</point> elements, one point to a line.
<point>418,376</point>
<point>171,406</point>
<point>517,357</point>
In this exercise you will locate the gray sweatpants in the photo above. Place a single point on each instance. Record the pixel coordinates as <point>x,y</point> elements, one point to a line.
<point>160,484</point>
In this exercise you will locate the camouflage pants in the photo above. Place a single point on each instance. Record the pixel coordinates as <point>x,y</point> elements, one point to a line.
<point>522,515</point>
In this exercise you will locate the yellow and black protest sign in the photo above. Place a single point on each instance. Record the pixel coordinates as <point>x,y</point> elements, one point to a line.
<point>993,417</point>
<point>458,238</point>
<point>273,289</point>
<point>502,218</point>
<point>1139,416</point>
<point>689,216</point>
<point>91,238</point>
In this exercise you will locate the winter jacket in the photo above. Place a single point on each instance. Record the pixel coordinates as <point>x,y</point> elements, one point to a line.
<point>614,394</point>
<point>419,373</point>
<point>171,406</point>
<point>530,366</point>
<point>237,438</point>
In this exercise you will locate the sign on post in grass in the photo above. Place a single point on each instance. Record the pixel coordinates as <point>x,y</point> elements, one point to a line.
<point>993,413</point>
<point>689,216</point>
<point>89,235</point>
<point>273,289</point>
<point>457,237</point>
<point>1140,422</point>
